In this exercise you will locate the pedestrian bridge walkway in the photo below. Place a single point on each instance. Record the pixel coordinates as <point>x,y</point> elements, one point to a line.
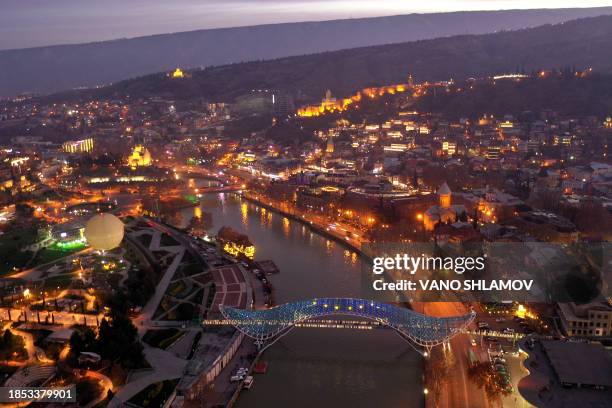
<point>270,324</point>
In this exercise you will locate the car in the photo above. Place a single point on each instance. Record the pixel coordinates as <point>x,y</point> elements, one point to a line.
<point>483,325</point>
<point>236,378</point>
<point>509,330</point>
<point>248,382</point>
<point>500,319</point>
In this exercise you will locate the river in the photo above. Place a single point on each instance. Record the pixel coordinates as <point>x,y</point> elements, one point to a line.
<point>318,367</point>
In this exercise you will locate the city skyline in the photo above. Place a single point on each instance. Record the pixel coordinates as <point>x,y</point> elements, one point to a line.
<point>413,210</point>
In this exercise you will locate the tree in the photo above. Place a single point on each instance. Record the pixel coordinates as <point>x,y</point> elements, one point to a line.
<point>24,210</point>
<point>12,346</point>
<point>118,340</point>
<point>485,376</point>
<point>82,340</point>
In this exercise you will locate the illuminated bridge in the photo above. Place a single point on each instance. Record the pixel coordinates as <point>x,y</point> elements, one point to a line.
<point>271,324</point>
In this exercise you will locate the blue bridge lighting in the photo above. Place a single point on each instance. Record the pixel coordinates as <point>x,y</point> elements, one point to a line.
<point>425,331</point>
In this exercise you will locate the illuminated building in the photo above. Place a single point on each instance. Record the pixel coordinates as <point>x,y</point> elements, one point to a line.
<point>331,104</point>
<point>78,146</point>
<point>328,104</point>
<point>140,157</point>
<point>330,146</point>
<point>178,73</point>
<point>235,244</point>
<point>493,152</point>
<point>510,76</point>
<point>444,211</point>
<point>449,147</point>
<point>69,234</point>
<point>591,319</point>
<point>396,147</point>
<point>564,140</point>
<point>492,204</point>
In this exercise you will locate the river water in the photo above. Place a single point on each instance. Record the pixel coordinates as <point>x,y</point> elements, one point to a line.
<point>318,367</point>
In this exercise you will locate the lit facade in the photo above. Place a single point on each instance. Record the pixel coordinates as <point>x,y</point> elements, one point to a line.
<point>78,146</point>
<point>444,212</point>
<point>178,73</point>
<point>140,157</point>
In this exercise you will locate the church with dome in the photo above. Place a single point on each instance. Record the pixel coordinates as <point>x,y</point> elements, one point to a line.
<point>140,157</point>
<point>444,211</point>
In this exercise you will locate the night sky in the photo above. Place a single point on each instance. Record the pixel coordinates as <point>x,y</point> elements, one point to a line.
<point>27,23</point>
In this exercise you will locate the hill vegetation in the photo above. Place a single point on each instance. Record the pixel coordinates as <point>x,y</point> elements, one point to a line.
<point>566,94</point>
<point>56,68</point>
<point>579,43</point>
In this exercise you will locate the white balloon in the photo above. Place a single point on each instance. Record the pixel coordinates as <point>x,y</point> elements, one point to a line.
<point>104,232</point>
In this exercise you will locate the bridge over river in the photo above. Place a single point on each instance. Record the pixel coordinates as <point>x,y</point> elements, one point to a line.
<point>267,326</point>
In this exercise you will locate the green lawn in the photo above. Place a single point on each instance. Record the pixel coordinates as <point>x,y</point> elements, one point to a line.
<point>11,245</point>
<point>61,281</point>
<point>54,253</point>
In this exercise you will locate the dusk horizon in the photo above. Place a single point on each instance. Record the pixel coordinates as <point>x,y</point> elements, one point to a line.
<point>114,21</point>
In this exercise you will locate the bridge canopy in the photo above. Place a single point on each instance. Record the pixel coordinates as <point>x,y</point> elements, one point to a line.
<point>423,330</point>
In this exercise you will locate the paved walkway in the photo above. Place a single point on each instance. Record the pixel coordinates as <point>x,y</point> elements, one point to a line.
<point>165,366</point>
<point>151,306</point>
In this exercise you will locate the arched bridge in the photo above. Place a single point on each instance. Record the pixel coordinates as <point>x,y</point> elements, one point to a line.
<point>269,324</point>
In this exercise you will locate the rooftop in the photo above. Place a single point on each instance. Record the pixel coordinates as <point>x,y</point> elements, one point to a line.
<point>580,363</point>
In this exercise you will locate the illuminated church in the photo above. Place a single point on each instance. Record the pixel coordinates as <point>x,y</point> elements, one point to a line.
<point>140,157</point>
<point>178,73</point>
<point>445,211</point>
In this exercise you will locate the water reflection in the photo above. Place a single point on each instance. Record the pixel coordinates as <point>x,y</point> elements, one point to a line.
<point>244,210</point>
<point>319,367</point>
<point>286,227</point>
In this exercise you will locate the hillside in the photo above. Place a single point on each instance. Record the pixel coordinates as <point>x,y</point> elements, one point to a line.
<point>566,94</point>
<point>579,43</point>
<point>51,69</point>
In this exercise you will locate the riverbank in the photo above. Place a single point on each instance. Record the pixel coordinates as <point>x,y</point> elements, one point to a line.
<point>320,229</point>
<point>336,366</point>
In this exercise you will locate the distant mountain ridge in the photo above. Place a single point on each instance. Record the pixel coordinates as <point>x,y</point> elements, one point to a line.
<point>55,68</point>
<point>579,43</point>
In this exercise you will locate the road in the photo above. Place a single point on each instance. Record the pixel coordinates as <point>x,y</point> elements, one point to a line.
<point>458,391</point>
<point>337,229</point>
